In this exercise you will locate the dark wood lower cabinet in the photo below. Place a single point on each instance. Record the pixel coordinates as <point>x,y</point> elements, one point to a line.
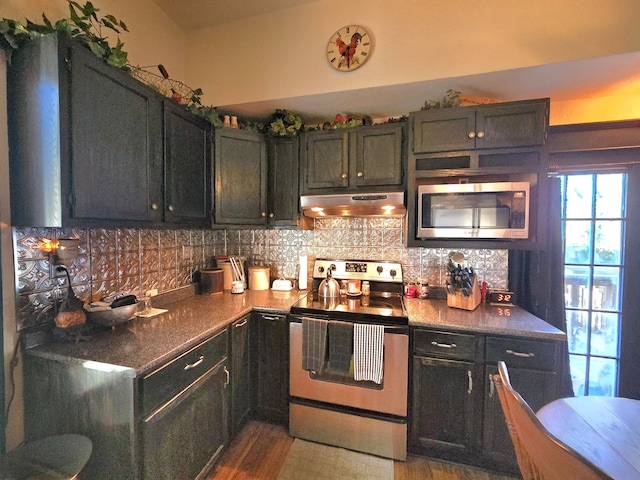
<point>242,373</point>
<point>272,368</point>
<point>187,435</point>
<point>456,414</point>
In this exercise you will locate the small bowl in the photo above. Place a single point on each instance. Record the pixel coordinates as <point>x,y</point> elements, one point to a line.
<point>112,316</point>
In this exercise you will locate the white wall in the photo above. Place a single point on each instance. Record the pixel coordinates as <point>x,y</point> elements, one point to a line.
<point>282,55</point>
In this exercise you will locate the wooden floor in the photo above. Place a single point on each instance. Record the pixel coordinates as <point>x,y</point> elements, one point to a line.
<point>259,451</point>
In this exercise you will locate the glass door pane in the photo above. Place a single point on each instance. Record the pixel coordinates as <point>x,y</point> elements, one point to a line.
<point>593,220</point>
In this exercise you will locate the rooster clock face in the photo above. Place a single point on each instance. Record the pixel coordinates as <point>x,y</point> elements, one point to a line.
<point>349,48</point>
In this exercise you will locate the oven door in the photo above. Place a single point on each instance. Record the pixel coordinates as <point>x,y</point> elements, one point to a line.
<point>389,398</point>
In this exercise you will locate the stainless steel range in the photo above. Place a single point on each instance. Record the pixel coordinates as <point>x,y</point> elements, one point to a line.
<point>349,360</point>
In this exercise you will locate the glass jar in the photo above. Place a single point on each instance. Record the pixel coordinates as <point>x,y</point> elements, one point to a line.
<point>410,290</point>
<point>366,288</point>
<point>343,287</point>
<point>423,288</point>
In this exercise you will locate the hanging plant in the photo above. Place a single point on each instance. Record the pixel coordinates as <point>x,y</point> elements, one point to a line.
<point>83,24</point>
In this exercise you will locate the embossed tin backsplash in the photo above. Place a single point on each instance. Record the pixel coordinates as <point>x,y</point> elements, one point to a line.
<point>138,260</point>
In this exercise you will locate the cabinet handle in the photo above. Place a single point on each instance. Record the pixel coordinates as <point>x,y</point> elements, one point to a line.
<point>492,386</point>
<point>480,134</point>
<point>267,317</point>
<point>443,345</point>
<point>271,215</point>
<point>360,174</point>
<point>521,354</point>
<point>189,366</point>
<point>344,175</point>
<point>154,206</point>
<point>469,381</point>
<point>472,134</point>
<point>242,323</point>
<point>263,214</point>
<point>170,208</point>
<point>228,377</point>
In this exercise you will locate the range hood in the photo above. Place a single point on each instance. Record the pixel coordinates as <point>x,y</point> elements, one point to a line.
<point>385,204</point>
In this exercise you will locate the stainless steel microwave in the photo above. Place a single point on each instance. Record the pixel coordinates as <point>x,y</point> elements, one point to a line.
<point>498,210</point>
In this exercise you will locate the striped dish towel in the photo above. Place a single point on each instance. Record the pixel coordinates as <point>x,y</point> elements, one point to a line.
<point>314,344</point>
<point>368,345</point>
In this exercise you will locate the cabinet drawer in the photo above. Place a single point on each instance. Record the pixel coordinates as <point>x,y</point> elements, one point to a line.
<point>162,384</point>
<point>444,344</point>
<point>517,352</point>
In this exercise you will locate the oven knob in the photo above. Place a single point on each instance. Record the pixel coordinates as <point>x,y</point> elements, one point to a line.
<point>321,269</point>
<point>393,273</point>
<point>333,267</point>
<point>379,269</point>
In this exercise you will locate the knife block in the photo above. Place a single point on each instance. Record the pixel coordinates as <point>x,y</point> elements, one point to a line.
<point>459,300</point>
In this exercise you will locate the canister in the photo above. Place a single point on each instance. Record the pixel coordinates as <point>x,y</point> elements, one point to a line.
<point>211,281</point>
<point>422,288</point>
<point>259,278</point>
<point>228,274</point>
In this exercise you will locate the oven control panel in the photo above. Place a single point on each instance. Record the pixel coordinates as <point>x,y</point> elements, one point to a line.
<point>358,270</point>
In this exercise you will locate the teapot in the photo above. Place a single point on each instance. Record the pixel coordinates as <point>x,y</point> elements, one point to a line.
<point>329,287</point>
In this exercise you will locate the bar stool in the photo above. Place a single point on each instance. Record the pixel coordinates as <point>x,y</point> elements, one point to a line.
<point>60,457</point>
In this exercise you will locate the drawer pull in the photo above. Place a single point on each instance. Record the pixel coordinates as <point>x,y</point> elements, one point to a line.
<point>443,345</point>
<point>521,354</point>
<point>227,376</point>
<point>189,366</point>
<point>469,381</point>
<point>492,386</point>
<point>241,324</point>
<point>267,317</point>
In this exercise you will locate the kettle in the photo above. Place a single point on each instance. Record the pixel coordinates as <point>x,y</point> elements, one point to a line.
<point>329,287</point>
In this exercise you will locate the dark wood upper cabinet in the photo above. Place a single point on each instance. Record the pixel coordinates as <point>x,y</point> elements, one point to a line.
<point>187,167</point>
<point>500,125</point>
<point>345,160</point>
<point>88,144</point>
<point>283,188</point>
<point>240,177</point>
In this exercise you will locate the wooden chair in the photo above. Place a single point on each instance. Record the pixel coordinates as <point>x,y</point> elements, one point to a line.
<point>540,455</point>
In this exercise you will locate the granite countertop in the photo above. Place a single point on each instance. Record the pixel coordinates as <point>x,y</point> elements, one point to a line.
<point>499,320</point>
<point>143,344</point>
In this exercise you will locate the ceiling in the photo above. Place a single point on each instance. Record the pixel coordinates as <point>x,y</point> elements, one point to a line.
<point>581,79</point>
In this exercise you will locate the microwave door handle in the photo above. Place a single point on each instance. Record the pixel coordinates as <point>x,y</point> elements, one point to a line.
<point>475,222</point>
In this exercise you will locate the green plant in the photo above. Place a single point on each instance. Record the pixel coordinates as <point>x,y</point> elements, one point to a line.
<point>451,99</point>
<point>83,24</point>
<point>285,123</point>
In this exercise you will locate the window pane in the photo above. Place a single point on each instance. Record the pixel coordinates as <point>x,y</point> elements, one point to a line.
<point>606,286</point>
<point>577,331</point>
<point>602,376</point>
<point>579,195</point>
<point>578,365</point>
<point>605,333</point>
<point>577,241</point>
<point>576,287</point>
<point>609,195</point>
<point>608,242</point>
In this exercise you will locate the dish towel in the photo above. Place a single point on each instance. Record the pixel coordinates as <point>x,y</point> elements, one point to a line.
<point>340,346</point>
<point>368,345</point>
<point>314,344</point>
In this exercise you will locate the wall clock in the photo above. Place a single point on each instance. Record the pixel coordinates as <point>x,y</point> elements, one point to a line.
<point>349,48</point>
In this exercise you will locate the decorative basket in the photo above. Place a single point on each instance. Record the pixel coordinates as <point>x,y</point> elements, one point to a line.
<point>168,87</point>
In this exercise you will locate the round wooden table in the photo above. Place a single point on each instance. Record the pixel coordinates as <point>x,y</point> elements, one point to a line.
<point>605,430</point>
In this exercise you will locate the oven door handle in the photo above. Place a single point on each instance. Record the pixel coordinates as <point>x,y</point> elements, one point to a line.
<point>396,329</point>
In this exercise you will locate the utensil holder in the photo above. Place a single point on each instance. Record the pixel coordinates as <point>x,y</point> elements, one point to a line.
<point>458,299</point>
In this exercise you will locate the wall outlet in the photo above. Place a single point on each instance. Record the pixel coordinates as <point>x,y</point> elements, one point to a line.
<point>151,293</point>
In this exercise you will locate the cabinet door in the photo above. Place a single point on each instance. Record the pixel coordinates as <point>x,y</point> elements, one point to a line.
<point>536,387</point>
<point>443,400</point>
<point>521,124</point>
<point>379,155</point>
<point>186,435</point>
<point>240,177</point>
<point>273,368</point>
<point>443,130</point>
<point>115,145</point>
<point>327,160</point>
<point>283,188</point>
<point>187,164</point>
<point>240,373</point>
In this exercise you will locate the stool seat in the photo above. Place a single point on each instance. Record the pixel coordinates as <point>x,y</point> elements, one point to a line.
<point>60,457</point>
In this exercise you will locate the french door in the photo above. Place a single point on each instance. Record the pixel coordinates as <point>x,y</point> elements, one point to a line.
<point>594,220</point>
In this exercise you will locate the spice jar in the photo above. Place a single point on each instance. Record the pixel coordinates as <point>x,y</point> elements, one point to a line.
<point>366,288</point>
<point>423,288</point>
<point>410,290</point>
